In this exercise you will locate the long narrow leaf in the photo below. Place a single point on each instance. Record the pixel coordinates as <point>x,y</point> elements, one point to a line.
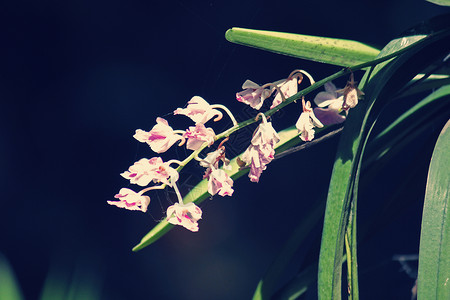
<point>358,125</point>
<point>321,49</point>
<point>410,123</point>
<point>434,255</point>
<point>9,288</point>
<point>440,2</point>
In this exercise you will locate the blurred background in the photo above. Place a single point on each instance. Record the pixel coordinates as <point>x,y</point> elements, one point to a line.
<point>77,78</point>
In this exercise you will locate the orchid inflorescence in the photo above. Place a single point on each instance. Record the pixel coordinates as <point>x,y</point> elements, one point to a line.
<point>333,105</point>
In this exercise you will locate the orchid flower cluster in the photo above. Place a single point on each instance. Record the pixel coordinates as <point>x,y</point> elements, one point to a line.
<point>155,174</point>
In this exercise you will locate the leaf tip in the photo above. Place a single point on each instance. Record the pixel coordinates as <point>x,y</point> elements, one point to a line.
<point>229,34</point>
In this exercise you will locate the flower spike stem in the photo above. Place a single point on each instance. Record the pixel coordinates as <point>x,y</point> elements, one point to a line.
<point>263,117</point>
<point>156,187</point>
<point>180,199</point>
<point>227,111</point>
<point>277,88</point>
<point>175,161</point>
<point>311,79</point>
<point>198,158</point>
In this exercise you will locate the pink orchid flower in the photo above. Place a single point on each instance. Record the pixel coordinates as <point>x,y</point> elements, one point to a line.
<point>253,94</point>
<point>160,138</point>
<point>220,182</point>
<point>306,122</point>
<point>351,94</point>
<point>185,215</point>
<point>199,110</point>
<point>330,115</point>
<point>261,150</point>
<point>213,158</point>
<point>131,200</point>
<point>265,134</point>
<point>288,87</point>
<point>197,135</point>
<point>146,170</point>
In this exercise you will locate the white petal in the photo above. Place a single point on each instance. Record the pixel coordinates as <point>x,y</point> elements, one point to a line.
<point>323,99</point>
<point>248,84</point>
<point>330,88</point>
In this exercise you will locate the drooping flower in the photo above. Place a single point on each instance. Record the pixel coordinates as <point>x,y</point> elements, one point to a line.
<point>351,94</point>
<point>185,215</point>
<point>258,157</point>
<point>131,200</point>
<point>265,134</point>
<point>330,115</point>
<point>288,87</point>
<point>146,170</point>
<point>306,122</point>
<point>212,159</point>
<point>160,138</point>
<point>253,94</point>
<point>199,110</point>
<point>197,135</point>
<point>220,182</point>
<point>261,150</point>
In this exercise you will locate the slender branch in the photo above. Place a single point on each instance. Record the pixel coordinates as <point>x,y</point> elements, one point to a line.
<point>227,111</point>
<point>180,199</point>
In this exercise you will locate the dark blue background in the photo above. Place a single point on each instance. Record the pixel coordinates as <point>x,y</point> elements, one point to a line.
<point>78,77</point>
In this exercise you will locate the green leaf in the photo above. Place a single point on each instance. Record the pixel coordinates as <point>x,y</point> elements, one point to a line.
<point>9,289</point>
<point>434,255</point>
<point>440,2</point>
<point>344,182</point>
<point>411,123</point>
<point>200,192</point>
<point>298,285</point>
<point>321,49</point>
